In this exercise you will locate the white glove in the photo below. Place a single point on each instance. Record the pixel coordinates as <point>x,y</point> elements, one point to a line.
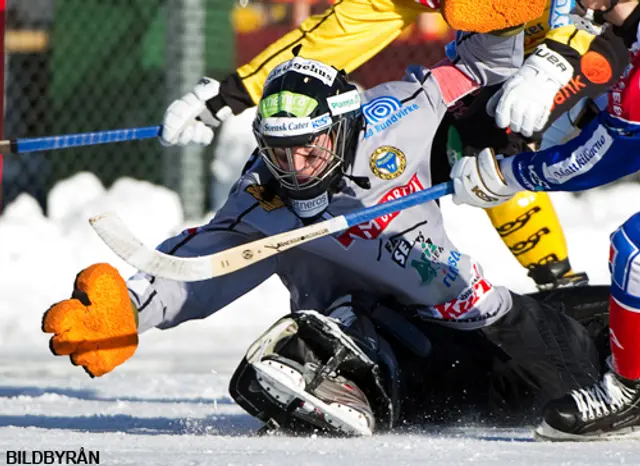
<point>524,102</point>
<point>180,126</point>
<point>477,181</point>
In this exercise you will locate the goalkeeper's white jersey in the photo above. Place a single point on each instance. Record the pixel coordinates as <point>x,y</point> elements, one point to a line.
<point>406,254</point>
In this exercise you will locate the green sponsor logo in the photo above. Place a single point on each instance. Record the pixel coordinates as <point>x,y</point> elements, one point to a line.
<point>426,271</point>
<point>296,104</point>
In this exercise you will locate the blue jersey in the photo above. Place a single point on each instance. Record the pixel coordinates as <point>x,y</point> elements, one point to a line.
<point>606,150</point>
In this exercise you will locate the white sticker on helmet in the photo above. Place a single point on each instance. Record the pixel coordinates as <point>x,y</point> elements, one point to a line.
<point>285,126</point>
<point>343,103</point>
<point>315,69</point>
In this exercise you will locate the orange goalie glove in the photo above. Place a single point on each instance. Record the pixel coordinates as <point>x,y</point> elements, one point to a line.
<point>97,327</point>
<point>475,16</point>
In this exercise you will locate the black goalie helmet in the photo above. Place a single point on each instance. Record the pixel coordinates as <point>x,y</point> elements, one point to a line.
<point>306,127</point>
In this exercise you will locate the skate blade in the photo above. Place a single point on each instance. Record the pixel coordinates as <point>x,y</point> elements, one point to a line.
<point>339,417</point>
<point>545,433</point>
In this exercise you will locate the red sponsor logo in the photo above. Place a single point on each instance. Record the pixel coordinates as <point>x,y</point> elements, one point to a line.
<point>372,229</point>
<point>466,300</point>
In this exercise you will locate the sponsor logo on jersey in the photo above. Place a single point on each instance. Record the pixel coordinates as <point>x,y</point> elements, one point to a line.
<point>581,160</point>
<point>538,183</point>
<point>310,207</point>
<point>387,162</point>
<point>268,203</point>
<point>425,265</point>
<point>399,247</point>
<point>428,265</point>
<point>372,229</point>
<point>315,69</point>
<point>426,270</point>
<point>464,303</point>
<point>452,272</point>
<point>573,87</point>
<point>383,112</point>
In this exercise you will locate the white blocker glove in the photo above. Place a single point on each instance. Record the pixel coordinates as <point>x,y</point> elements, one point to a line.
<point>477,181</point>
<point>524,102</point>
<point>189,121</point>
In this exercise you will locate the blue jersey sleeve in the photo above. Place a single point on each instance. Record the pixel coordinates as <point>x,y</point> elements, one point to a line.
<point>606,150</point>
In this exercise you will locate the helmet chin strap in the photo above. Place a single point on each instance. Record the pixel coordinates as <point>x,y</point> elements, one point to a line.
<point>597,17</point>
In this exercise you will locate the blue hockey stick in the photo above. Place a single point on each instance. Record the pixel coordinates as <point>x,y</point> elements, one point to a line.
<point>21,146</point>
<point>123,242</point>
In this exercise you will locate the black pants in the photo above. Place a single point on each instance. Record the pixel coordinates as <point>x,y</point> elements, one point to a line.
<point>548,344</point>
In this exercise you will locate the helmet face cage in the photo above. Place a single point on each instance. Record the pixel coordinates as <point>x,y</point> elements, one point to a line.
<point>329,157</point>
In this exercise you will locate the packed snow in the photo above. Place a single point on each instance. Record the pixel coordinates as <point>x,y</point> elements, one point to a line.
<point>169,405</point>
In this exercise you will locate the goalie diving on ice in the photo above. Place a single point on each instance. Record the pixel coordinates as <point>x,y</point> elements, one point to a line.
<point>388,318</point>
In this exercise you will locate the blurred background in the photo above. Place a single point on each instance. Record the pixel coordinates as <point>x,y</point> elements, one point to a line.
<point>89,65</point>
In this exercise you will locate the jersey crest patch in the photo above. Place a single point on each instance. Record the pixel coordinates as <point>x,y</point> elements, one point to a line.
<point>387,162</point>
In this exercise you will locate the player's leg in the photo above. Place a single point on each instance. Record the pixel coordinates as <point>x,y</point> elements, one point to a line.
<point>529,227</point>
<point>546,350</point>
<point>610,407</point>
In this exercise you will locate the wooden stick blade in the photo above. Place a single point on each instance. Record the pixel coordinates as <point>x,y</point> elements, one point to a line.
<point>113,231</point>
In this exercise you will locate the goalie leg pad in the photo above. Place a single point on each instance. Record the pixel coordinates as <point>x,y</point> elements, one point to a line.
<point>305,373</point>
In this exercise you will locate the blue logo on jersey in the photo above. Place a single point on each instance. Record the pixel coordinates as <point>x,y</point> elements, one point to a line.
<point>383,112</point>
<point>380,109</point>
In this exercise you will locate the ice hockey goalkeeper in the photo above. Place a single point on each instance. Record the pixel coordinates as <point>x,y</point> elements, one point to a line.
<point>344,359</point>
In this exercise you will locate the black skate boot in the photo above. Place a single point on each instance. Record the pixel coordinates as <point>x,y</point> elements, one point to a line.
<point>606,410</point>
<point>556,274</point>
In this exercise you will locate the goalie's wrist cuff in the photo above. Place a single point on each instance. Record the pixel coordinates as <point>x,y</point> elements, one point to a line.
<point>506,168</point>
<point>232,95</point>
<point>551,63</point>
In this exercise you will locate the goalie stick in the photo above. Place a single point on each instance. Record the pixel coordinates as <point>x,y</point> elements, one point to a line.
<point>123,242</point>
